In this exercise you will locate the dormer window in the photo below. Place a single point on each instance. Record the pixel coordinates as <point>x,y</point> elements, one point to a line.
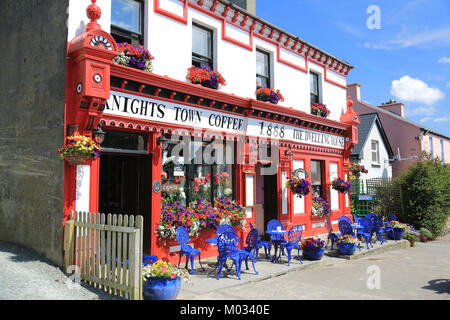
<point>127,22</point>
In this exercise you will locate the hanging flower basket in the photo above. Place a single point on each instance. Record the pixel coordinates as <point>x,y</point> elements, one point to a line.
<point>78,149</point>
<point>269,95</point>
<point>340,185</point>
<point>320,207</point>
<point>355,170</point>
<point>299,187</point>
<point>76,159</point>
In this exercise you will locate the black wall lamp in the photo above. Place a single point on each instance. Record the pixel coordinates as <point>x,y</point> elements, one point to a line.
<point>98,135</point>
<point>162,141</point>
<point>288,152</point>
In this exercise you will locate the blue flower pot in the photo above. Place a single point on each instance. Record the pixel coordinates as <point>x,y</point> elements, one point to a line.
<point>346,248</point>
<point>313,253</point>
<point>398,234</point>
<point>161,289</point>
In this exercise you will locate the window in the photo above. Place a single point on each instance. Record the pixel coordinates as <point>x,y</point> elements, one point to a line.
<point>317,178</point>
<point>431,148</point>
<point>127,21</point>
<point>442,151</point>
<point>187,182</point>
<point>202,47</point>
<point>263,69</point>
<point>315,88</point>
<point>240,3</point>
<point>375,152</point>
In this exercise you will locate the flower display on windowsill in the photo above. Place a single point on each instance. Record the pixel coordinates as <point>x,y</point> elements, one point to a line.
<point>269,95</point>
<point>198,215</point>
<point>320,207</point>
<point>340,185</point>
<point>138,58</point>
<point>206,77</point>
<point>319,109</point>
<point>79,149</point>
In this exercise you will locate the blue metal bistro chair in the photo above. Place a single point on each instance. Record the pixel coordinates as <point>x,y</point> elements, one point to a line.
<point>187,250</point>
<point>262,244</point>
<point>275,239</point>
<point>346,229</point>
<point>228,244</point>
<point>250,250</point>
<point>332,236</point>
<point>293,238</point>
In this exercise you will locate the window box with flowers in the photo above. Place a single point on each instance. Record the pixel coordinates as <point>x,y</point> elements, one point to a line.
<point>319,109</point>
<point>320,207</point>
<point>205,77</point>
<point>268,95</point>
<point>197,216</point>
<point>79,149</point>
<point>138,58</point>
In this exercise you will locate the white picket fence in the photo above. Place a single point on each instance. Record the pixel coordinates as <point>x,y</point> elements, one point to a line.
<point>107,251</point>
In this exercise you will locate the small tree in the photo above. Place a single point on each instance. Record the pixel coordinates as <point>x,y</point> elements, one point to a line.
<point>426,194</point>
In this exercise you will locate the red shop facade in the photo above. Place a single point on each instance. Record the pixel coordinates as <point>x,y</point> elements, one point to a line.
<point>139,111</point>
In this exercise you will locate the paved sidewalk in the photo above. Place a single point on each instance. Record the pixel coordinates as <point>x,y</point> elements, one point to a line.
<point>204,283</point>
<point>25,275</point>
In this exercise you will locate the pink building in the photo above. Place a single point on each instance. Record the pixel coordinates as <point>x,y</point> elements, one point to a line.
<point>407,138</point>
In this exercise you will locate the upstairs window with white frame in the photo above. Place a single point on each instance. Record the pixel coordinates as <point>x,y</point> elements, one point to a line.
<point>127,21</point>
<point>202,47</point>
<point>263,69</point>
<point>314,87</point>
<point>375,148</point>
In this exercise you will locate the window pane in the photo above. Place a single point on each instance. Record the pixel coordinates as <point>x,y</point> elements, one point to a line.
<point>314,82</point>
<point>262,82</point>
<point>316,172</point>
<point>126,14</point>
<point>201,41</point>
<point>262,63</point>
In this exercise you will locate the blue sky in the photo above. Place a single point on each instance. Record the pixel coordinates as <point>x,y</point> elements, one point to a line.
<point>407,59</point>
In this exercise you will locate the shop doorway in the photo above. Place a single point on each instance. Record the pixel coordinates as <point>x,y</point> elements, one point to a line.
<point>266,199</point>
<point>125,188</point>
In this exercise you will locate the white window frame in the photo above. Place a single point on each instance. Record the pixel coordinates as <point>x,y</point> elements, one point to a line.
<point>377,161</point>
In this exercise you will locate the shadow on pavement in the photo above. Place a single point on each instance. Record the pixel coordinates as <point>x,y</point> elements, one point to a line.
<point>439,285</point>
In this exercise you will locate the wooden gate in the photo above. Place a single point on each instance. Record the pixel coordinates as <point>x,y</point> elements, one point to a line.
<point>106,250</point>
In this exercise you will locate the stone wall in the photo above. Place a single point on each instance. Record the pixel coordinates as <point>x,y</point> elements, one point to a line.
<point>32,103</point>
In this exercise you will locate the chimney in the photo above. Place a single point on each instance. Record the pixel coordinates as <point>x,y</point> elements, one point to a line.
<point>354,91</point>
<point>394,107</point>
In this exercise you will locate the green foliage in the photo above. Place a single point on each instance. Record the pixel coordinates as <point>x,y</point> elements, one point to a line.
<point>426,195</point>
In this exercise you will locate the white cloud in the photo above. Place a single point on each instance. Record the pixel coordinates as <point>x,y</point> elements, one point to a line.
<point>444,60</point>
<point>433,38</point>
<point>426,119</point>
<point>415,90</point>
<point>442,119</point>
<point>423,111</point>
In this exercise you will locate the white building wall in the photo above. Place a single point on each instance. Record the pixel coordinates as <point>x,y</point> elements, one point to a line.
<point>170,42</point>
<point>384,170</point>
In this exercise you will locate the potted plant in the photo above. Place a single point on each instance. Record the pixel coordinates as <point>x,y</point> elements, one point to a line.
<point>312,248</point>
<point>340,185</point>
<point>300,187</point>
<point>399,229</point>
<point>205,77</point>
<point>162,280</point>
<point>319,109</point>
<point>78,149</point>
<point>269,95</point>
<point>320,207</point>
<point>425,234</point>
<point>347,244</point>
<point>138,58</point>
